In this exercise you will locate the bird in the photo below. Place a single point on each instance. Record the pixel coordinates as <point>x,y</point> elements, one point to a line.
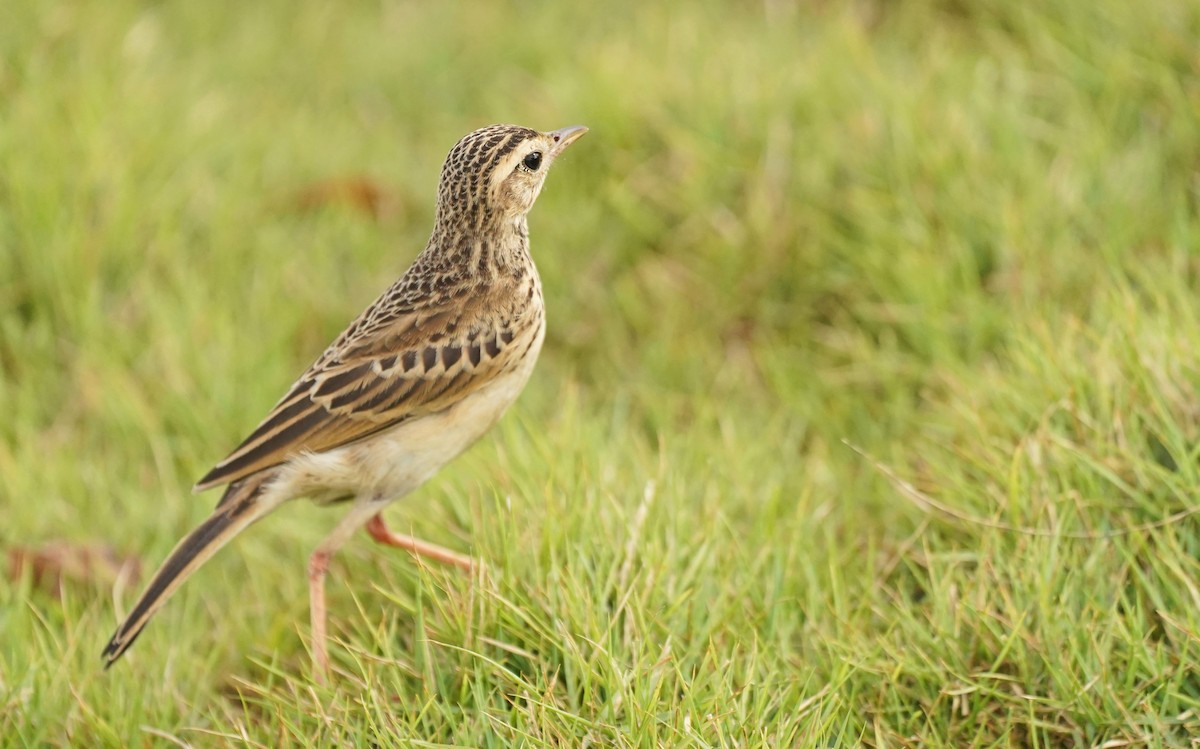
<point>414,380</point>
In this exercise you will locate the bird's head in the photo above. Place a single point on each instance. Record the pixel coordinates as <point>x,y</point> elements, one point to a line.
<point>494,174</point>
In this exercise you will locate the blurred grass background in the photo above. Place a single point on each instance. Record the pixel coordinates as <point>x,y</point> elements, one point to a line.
<point>961,237</point>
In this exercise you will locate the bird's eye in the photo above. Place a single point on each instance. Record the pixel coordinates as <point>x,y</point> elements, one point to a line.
<point>533,161</point>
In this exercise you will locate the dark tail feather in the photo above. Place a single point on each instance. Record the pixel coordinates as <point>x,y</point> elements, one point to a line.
<point>237,510</point>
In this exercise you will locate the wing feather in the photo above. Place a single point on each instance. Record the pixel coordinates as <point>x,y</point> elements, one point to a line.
<point>379,374</point>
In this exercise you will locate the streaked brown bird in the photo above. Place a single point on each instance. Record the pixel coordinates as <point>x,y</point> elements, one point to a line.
<point>418,377</point>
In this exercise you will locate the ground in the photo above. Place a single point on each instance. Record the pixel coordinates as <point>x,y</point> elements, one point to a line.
<point>869,413</point>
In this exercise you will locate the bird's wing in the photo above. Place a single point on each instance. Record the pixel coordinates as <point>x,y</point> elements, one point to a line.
<point>381,372</point>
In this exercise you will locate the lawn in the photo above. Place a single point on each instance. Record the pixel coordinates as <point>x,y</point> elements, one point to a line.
<point>869,413</point>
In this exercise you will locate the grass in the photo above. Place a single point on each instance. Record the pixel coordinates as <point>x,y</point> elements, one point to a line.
<point>869,412</point>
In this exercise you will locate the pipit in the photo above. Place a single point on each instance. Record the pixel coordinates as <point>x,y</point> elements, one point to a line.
<point>418,377</point>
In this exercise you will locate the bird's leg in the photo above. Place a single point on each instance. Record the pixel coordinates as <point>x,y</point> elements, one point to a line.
<point>379,531</point>
<point>318,565</point>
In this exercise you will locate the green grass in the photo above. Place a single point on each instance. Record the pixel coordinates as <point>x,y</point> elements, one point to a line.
<point>869,412</point>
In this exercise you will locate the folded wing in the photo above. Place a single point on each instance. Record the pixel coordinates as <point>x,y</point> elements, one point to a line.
<point>380,374</point>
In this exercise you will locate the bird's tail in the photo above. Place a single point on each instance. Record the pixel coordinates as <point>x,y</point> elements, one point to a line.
<point>242,504</point>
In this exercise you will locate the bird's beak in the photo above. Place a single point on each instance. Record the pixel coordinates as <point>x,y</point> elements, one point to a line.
<point>566,136</point>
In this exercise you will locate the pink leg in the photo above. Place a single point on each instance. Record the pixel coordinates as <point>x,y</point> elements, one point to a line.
<point>379,531</point>
<point>318,565</point>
